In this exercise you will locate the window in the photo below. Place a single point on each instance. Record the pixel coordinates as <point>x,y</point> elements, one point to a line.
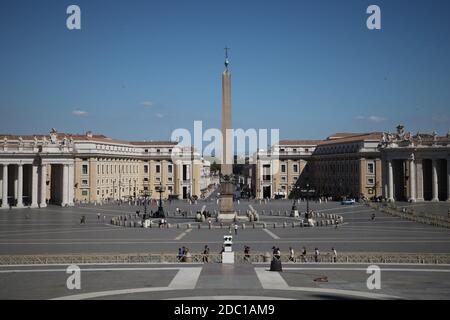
<point>170,179</point>
<point>283,168</point>
<point>84,182</point>
<point>295,168</point>
<point>158,168</point>
<point>169,168</point>
<point>146,150</point>
<point>145,169</point>
<point>84,169</point>
<point>370,181</point>
<point>371,168</point>
<point>283,178</point>
<point>84,193</point>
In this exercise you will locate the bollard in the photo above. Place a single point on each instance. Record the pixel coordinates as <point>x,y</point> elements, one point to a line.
<point>264,225</point>
<point>253,226</point>
<point>271,212</point>
<point>279,213</point>
<point>274,225</point>
<point>178,226</point>
<point>284,224</point>
<point>199,226</point>
<point>286,213</point>
<point>188,226</point>
<point>263,212</point>
<point>293,224</point>
<point>243,226</point>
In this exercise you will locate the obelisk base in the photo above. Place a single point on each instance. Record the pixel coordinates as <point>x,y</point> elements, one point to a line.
<point>226,206</point>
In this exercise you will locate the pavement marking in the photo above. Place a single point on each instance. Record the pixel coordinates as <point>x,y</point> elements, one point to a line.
<point>185,279</point>
<point>365,269</point>
<point>182,235</point>
<point>274,281</point>
<point>88,270</point>
<point>271,280</point>
<point>270,233</point>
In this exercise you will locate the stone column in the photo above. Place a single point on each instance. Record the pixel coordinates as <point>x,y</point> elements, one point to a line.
<point>419,180</point>
<point>390,181</point>
<point>34,186</point>
<point>5,187</point>
<point>43,195</point>
<point>448,179</point>
<point>65,183</point>
<point>434,181</point>
<point>20,185</point>
<point>384,180</point>
<point>70,186</point>
<point>412,181</point>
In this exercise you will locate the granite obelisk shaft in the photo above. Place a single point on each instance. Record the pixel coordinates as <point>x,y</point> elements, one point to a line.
<point>226,209</point>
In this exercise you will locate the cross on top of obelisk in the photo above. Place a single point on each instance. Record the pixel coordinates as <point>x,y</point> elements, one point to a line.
<point>226,57</point>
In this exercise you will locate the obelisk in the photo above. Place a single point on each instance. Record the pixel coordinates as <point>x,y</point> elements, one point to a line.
<point>226,208</point>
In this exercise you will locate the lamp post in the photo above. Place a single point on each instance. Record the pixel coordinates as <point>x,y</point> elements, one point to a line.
<point>145,194</point>
<point>307,191</point>
<point>160,213</point>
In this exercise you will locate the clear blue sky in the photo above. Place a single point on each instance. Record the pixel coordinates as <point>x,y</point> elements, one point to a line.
<point>140,69</point>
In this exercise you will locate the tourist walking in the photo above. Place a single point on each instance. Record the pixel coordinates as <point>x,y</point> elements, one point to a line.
<point>291,254</point>
<point>83,220</point>
<point>334,254</point>
<point>180,255</point>
<point>304,259</point>
<point>316,255</point>
<point>206,254</point>
<point>246,253</point>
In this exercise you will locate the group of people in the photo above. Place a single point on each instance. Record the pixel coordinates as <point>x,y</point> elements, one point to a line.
<point>304,255</point>
<point>184,255</point>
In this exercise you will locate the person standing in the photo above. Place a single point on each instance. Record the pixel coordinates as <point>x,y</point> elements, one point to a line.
<point>98,216</point>
<point>235,228</point>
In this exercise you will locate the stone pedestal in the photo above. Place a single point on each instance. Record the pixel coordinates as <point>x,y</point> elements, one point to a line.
<point>226,207</point>
<point>228,257</point>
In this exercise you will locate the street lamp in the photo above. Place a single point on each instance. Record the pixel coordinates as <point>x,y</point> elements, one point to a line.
<point>145,194</point>
<point>160,213</point>
<point>307,191</point>
<point>294,211</point>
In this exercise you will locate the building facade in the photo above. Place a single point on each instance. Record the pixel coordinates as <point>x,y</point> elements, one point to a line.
<point>348,165</point>
<point>282,168</point>
<point>415,167</point>
<point>65,168</point>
